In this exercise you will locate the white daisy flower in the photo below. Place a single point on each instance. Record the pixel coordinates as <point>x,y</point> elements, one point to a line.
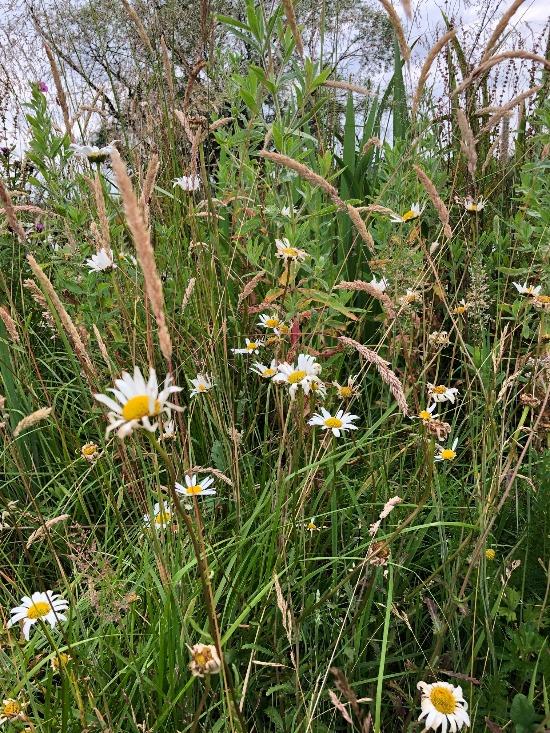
<point>46,606</point>
<point>347,391</point>
<point>300,375</point>
<point>201,384</point>
<point>316,387</point>
<point>192,488</point>
<point>337,423</point>
<point>265,371</point>
<point>413,213</point>
<point>447,454</point>
<point>471,205</point>
<point>252,347</point>
<point>137,402</point>
<point>440,393</point>
<point>161,516</point>
<point>188,183</point>
<point>169,429</point>
<point>12,709</point>
<point>311,526</point>
<point>204,660</point>
<point>288,253</point>
<point>273,322</point>
<point>103,260</point>
<point>443,706</point>
<point>410,297</point>
<point>92,152</point>
<point>527,289</point>
<point>380,285</point>
<point>427,414</point>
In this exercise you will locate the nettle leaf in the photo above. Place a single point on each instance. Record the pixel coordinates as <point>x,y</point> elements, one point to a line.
<point>522,714</point>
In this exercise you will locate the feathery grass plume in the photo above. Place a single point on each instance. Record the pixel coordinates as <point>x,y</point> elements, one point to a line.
<point>317,180</point>
<point>427,65</point>
<point>398,28</point>
<point>148,185</point>
<point>11,216</point>
<point>406,5</point>
<point>195,71</point>
<point>43,530</point>
<point>250,287</point>
<point>340,707</point>
<point>214,471</point>
<point>102,348</point>
<point>467,141</point>
<point>286,615</point>
<point>140,28</point>
<point>499,29</point>
<point>377,209</point>
<point>291,20</point>
<point>33,209</point>
<point>144,251</point>
<point>220,123</point>
<point>349,87</point>
<point>64,317</point>
<point>388,376</point>
<point>375,292</point>
<point>188,293</point>
<point>36,293</point>
<point>436,200</point>
<point>371,142</point>
<point>168,71</point>
<point>61,96</point>
<point>494,60</point>
<point>9,323</point>
<point>97,189</point>
<point>500,112</point>
<point>30,420</point>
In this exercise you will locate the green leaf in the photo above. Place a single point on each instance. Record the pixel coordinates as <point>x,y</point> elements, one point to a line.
<point>522,714</point>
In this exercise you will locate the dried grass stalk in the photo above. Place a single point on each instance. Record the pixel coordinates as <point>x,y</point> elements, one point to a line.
<point>508,107</point>
<point>140,28</point>
<point>43,530</point>
<point>348,86</point>
<point>30,420</point>
<point>220,123</point>
<point>250,287</point>
<point>36,293</point>
<point>375,292</point>
<point>436,200</point>
<point>387,375</point>
<point>64,317</point>
<point>168,71</point>
<point>9,210</point>
<point>101,344</point>
<point>377,209</point>
<point>340,707</point>
<point>148,186</point>
<point>494,60</point>
<point>214,471</point>
<point>499,29</point>
<point>188,293</point>
<point>9,323</point>
<point>398,28</point>
<point>427,65</point>
<point>372,141</point>
<point>406,5</point>
<point>467,142</point>
<point>285,614</point>
<point>101,212</point>
<point>291,20</point>
<point>144,251</point>
<point>61,96</point>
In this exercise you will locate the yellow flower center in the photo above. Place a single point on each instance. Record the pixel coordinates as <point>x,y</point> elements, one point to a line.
<point>443,700</point>
<point>203,657</point>
<point>89,449</point>
<point>97,157</point>
<point>490,554</point>
<point>542,298</point>
<point>11,708</point>
<point>201,388</point>
<point>290,251</point>
<point>311,526</point>
<point>460,309</point>
<point>283,328</point>
<point>269,372</point>
<point>61,660</point>
<point>138,407</point>
<point>195,489</point>
<point>272,322</point>
<point>425,415</point>
<point>447,454</point>
<point>345,392</point>
<point>409,215</point>
<point>333,422</point>
<point>252,345</point>
<point>39,609</point>
<point>162,518</point>
<point>296,376</point>
<point>439,390</point>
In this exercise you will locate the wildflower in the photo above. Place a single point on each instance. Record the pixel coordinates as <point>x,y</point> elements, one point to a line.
<point>443,705</point>
<point>317,388</point>
<point>46,606</point>
<point>12,709</point>
<point>192,488</point>
<point>410,297</point>
<point>440,393</point>
<point>139,401</point>
<point>60,661</point>
<point>252,347</point>
<point>201,384</point>
<point>89,452</point>
<point>264,371</point>
<point>188,183</point>
<point>42,87</point>
<point>380,285</point>
<point>103,260</point>
<point>288,253</point>
<point>92,152</point>
<point>427,414</point>
<point>490,554</point>
<point>474,206</point>
<point>300,375</point>
<point>346,391</point>
<point>340,422</point>
<point>439,428</point>
<point>541,301</point>
<point>439,339</point>
<point>39,227</point>
<point>413,213</point>
<point>379,553</point>
<point>447,454</point>
<point>461,308</point>
<point>161,516</point>
<point>288,211</point>
<point>204,660</point>
<point>272,321</point>
<point>169,429</point>
<point>525,289</point>
<point>311,526</point>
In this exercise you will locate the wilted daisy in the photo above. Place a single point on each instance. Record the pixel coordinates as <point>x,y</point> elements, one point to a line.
<point>46,606</point>
<point>204,660</point>
<point>413,213</point>
<point>337,423</point>
<point>12,709</point>
<point>427,415</point>
<point>461,308</point>
<point>443,706</point>
<point>527,289</point>
<point>138,402</point>
<point>168,429</point>
<point>311,526</point>
<point>410,297</point>
<point>103,260</point>
<point>446,454</point>
<point>92,152</point>
<point>90,452</point>
<point>60,661</point>
<point>346,391</point>
<point>288,253</point>
<point>273,322</point>
<point>473,206</point>
<point>541,301</point>
<point>438,339</point>
<point>317,388</point>
<point>160,517</point>
<point>300,375</point>
<point>192,488</point>
<point>380,285</point>
<point>252,347</point>
<point>440,393</point>
<point>201,384</point>
<point>188,183</point>
<point>265,371</point>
